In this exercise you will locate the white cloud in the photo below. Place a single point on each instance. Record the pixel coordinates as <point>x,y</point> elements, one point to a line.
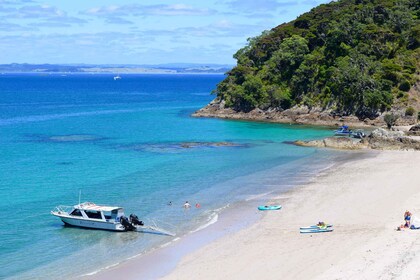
<point>39,15</point>
<point>39,11</point>
<point>260,8</point>
<point>148,10</point>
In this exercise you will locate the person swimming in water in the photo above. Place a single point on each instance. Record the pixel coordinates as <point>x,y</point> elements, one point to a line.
<point>187,205</point>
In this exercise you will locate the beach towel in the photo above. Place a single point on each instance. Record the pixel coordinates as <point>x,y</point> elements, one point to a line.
<point>415,223</point>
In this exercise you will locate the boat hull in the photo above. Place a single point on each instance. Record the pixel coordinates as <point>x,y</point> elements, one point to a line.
<point>342,133</point>
<point>92,224</point>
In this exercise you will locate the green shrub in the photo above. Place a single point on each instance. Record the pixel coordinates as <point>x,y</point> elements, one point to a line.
<point>405,86</point>
<point>390,120</point>
<point>409,111</point>
<point>400,94</point>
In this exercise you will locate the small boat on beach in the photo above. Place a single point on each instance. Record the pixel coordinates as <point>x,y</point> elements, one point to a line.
<point>359,133</point>
<point>93,216</point>
<point>343,131</point>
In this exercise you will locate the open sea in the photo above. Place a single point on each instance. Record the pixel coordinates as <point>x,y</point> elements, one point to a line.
<point>129,143</point>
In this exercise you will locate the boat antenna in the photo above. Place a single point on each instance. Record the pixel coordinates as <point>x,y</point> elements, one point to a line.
<point>80,194</point>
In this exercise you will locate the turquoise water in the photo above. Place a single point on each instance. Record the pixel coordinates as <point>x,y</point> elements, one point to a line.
<point>126,143</point>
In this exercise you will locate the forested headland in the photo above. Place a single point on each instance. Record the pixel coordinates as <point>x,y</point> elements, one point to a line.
<point>351,57</point>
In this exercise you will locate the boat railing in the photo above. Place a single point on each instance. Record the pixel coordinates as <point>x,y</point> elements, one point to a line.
<point>62,209</point>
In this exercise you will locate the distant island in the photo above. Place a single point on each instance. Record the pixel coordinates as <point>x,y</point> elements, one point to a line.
<point>347,61</point>
<point>171,68</point>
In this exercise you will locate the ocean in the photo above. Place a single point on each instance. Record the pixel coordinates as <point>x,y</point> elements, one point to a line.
<point>130,143</point>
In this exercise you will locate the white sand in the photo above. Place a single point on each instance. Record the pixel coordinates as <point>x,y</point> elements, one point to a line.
<point>365,200</point>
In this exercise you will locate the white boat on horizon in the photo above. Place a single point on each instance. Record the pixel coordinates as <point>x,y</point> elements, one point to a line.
<point>93,216</point>
<point>117,77</point>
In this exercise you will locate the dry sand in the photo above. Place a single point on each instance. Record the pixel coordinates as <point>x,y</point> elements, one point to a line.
<point>364,199</point>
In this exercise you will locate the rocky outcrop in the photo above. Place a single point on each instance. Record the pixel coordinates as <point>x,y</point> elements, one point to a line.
<point>342,143</point>
<point>379,139</point>
<point>382,139</point>
<point>297,115</point>
<point>414,130</point>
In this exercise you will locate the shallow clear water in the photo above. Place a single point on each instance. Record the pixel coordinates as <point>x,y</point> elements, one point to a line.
<point>130,143</point>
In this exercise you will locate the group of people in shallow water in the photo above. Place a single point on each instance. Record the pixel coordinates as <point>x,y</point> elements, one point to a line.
<point>186,205</point>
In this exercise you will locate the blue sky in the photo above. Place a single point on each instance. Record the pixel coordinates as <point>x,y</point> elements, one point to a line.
<point>136,32</point>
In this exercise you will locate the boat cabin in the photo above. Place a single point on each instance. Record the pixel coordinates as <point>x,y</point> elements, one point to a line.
<point>89,210</point>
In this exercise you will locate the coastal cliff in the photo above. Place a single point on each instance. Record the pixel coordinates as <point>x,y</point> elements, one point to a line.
<point>296,115</point>
<point>349,61</point>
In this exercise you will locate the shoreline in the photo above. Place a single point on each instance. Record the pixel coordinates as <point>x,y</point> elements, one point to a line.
<point>231,218</point>
<point>236,218</point>
<point>295,115</point>
<point>364,201</point>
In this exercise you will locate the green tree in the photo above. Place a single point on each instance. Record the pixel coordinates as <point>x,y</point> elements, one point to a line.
<point>288,57</point>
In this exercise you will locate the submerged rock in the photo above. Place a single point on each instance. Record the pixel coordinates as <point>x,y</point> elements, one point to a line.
<point>180,146</point>
<point>65,138</point>
<point>208,144</point>
<point>75,138</point>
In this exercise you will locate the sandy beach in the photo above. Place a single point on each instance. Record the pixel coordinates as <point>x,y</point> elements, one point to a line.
<point>365,200</point>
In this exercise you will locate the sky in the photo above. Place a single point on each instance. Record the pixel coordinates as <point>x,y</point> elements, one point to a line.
<point>136,32</point>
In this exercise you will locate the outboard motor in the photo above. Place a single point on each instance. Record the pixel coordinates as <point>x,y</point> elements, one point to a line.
<point>135,220</point>
<point>126,223</point>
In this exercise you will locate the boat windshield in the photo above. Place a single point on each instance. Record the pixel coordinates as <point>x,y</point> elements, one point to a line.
<point>93,214</point>
<point>76,212</point>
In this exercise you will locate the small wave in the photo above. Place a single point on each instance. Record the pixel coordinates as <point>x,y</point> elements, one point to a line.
<point>101,269</point>
<point>213,218</point>
<point>40,118</point>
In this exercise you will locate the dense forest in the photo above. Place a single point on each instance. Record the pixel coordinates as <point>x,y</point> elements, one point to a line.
<point>354,57</point>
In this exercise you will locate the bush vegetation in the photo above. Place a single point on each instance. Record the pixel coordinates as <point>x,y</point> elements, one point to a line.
<point>356,56</point>
<point>410,111</point>
<point>390,120</point>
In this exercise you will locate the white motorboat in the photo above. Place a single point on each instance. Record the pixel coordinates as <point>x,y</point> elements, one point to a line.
<point>118,77</point>
<point>90,215</point>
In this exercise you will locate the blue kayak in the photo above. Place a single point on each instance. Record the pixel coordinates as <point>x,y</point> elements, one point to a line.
<point>269,207</point>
